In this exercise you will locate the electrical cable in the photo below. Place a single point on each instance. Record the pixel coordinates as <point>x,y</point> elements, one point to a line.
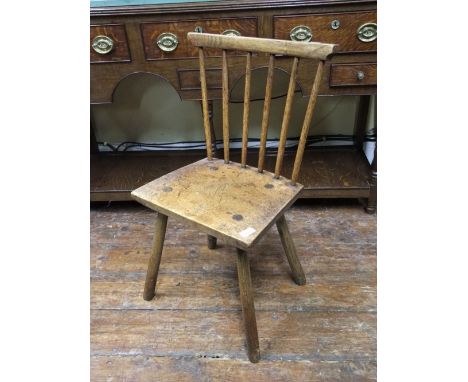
<point>253,143</point>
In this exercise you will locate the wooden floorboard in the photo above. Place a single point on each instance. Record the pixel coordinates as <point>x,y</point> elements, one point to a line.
<point>193,330</point>
<point>188,368</point>
<point>283,335</point>
<point>272,292</point>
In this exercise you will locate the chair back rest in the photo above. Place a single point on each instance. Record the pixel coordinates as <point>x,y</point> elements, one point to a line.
<point>311,50</point>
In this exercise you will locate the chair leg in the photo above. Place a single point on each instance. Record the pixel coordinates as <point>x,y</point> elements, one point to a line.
<point>155,259</point>
<point>248,308</point>
<point>288,245</point>
<point>211,242</point>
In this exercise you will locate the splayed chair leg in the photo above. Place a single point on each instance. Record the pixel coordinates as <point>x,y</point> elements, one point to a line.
<point>288,245</point>
<point>155,258</point>
<point>248,309</point>
<point>211,242</point>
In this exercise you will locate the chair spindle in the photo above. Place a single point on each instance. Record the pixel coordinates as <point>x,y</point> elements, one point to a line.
<point>289,48</point>
<point>245,120</point>
<point>225,108</point>
<point>286,117</point>
<point>206,115</point>
<point>307,120</point>
<point>266,113</point>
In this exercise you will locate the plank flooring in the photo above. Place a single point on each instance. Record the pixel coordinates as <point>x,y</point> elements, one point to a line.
<point>193,329</point>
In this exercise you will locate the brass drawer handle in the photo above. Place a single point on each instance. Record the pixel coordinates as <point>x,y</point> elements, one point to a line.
<point>167,42</point>
<point>231,32</point>
<point>301,33</point>
<point>360,75</point>
<point>367,32</point>
<point>102,44</point>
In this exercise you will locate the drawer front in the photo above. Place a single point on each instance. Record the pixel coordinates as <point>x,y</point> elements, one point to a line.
<point>353,74</point>
<point>189,79</point>
<point>336,28</point>
<point>108,43</point>
<point>174,35</point>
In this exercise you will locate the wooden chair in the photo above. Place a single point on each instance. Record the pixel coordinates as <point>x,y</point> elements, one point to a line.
<point>232,201</point>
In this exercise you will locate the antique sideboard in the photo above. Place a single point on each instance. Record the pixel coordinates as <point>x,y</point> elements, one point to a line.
<point>151,38</point>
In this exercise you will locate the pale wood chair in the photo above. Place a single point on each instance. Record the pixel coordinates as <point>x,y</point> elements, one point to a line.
<point>231,201</point>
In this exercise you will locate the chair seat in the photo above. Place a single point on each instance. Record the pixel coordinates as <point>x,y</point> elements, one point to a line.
<point>234,204</point>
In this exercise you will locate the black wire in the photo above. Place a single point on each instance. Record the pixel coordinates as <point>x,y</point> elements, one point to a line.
<point>125,146</point>
<point>142,145</point>
<point>112,147</point>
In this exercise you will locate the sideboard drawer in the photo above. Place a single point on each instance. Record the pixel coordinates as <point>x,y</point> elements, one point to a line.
<point>172,36</point>
<point>353,74</point>
<point>189,79</point>
<point>108,43</point>
<point>353,32</point>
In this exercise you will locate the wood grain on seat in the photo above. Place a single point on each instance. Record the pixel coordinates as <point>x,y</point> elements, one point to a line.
<point>235,204</point>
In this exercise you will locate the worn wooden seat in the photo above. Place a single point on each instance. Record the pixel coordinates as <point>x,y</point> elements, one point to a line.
<point>231,201</point>
<point>238,204</point>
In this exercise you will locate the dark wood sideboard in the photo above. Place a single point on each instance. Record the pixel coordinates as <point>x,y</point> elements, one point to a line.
<point>132,32</point>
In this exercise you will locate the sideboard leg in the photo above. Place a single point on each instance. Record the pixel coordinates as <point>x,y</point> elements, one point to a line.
<point>372,201</point>
<point>360,124</point>
<point>212,130</point>
<point>94,147</point>
<point>214,146</point>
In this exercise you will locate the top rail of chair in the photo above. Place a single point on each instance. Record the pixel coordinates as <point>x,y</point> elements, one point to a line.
<point>316,50</point>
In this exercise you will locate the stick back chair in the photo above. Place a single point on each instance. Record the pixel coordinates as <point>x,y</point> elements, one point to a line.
<point>231,201</point>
